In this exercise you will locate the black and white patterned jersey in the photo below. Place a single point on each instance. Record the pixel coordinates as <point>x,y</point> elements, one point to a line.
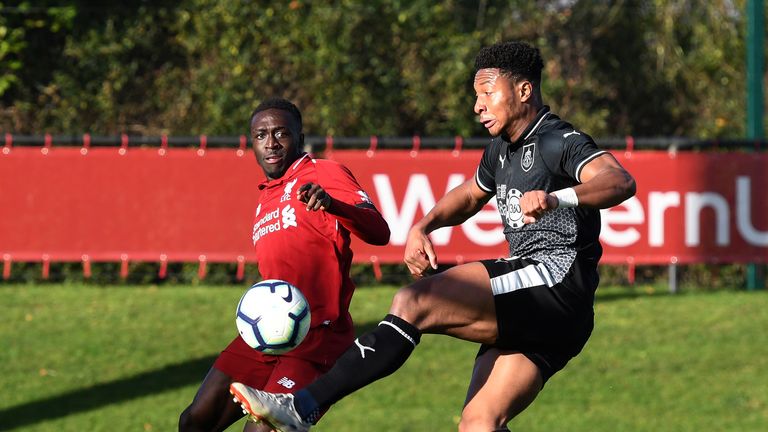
<point>549,156</point>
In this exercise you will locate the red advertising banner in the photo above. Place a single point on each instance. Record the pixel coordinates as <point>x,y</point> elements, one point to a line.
<point>691,208</point>
<point>137,204</point>
<point>148,204</point>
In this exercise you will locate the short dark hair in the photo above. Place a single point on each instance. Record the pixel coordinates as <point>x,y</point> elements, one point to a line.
<point>281,104</point>
<point>515,59</point>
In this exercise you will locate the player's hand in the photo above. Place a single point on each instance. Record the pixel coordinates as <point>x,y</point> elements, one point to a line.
<point>314,196</point>
<point>534,204</point>
<point>419,253</point>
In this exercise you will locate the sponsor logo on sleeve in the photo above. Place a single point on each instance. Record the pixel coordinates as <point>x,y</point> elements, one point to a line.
<point>573,132</point>
<point>364,196</point>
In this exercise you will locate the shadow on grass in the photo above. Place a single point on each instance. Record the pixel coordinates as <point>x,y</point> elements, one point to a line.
<point>100,395</point>
<point>166,378</point>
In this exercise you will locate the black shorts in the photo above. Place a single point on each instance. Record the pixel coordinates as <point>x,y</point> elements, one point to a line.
<point>547,322</point>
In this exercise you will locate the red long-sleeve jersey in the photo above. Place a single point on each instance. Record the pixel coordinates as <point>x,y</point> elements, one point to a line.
<point>311,249</point>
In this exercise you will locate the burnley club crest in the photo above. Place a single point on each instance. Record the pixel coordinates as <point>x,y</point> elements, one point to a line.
<point>526,161</point>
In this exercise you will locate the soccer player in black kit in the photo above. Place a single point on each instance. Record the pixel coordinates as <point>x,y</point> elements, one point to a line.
<point>531,312</point>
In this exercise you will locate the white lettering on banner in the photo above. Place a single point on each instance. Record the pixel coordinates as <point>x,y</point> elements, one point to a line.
<point>744,214</point>
<point>621,225</point>
<point>694,203</point>
<point>658,203</point>
<point>631,212</point>
<point>418,195</point>
<point>485,237</point>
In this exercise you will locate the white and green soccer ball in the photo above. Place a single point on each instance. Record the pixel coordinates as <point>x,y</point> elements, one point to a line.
<point>273,317</point>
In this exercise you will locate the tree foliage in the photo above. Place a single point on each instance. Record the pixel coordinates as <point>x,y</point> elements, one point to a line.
<point>380,67</point>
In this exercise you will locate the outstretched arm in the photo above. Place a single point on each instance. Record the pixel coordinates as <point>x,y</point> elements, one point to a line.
<point>362,220</point>
<point>458,205</point>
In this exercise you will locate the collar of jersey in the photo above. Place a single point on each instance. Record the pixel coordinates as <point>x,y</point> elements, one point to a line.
<point>289,173</point>
<point>532,127</point>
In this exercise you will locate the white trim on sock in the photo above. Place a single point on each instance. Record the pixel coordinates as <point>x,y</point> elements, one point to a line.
<point>399,330</point>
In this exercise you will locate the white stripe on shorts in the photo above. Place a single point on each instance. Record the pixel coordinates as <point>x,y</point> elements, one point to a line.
<point>527,277</point>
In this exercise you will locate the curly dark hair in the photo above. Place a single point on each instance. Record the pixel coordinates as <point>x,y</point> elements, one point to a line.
<point>517,60</point>
<point>281,104</point>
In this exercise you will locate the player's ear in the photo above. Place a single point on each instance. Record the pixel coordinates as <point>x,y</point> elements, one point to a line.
<point>525,90</point>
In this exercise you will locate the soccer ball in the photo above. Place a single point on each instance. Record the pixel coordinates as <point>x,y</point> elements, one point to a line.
<point>273,316</point>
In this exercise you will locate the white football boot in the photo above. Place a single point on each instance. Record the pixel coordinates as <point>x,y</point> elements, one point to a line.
<point>276,409</point>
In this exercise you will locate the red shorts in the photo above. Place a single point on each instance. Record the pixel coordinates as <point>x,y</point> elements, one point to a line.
<point>275,374</point>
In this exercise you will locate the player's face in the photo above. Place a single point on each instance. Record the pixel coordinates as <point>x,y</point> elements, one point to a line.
<point>277,141</point>
<point>499,103</point>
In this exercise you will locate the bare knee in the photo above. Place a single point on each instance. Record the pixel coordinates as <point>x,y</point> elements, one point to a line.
<point>411,303</point>
<point>473,420</point>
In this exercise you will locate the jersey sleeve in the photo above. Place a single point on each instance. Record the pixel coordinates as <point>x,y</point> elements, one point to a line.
<point>485,176</point>
<point>575,150</point>
<point>579,151</point>
<point>351,205</point>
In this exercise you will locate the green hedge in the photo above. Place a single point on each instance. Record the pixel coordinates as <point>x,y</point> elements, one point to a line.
<point>380,67</point>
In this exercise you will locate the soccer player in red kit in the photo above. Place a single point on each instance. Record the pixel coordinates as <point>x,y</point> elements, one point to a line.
<point>307,210</point>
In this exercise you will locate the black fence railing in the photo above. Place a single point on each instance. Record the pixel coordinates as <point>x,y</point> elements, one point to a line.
<point>321,143</point>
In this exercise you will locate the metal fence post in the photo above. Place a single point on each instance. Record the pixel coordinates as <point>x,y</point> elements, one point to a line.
<point>673,289</point>
<point>755,100</point>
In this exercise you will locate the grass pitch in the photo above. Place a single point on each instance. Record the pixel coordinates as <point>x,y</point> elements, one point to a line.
<point>80,357</point>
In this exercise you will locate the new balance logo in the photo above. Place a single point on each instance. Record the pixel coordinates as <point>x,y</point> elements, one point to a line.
<point>363,348</point>
<point>286,382</point>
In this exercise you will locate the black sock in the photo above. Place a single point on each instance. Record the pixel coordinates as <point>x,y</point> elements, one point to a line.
<point>374,355</point>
